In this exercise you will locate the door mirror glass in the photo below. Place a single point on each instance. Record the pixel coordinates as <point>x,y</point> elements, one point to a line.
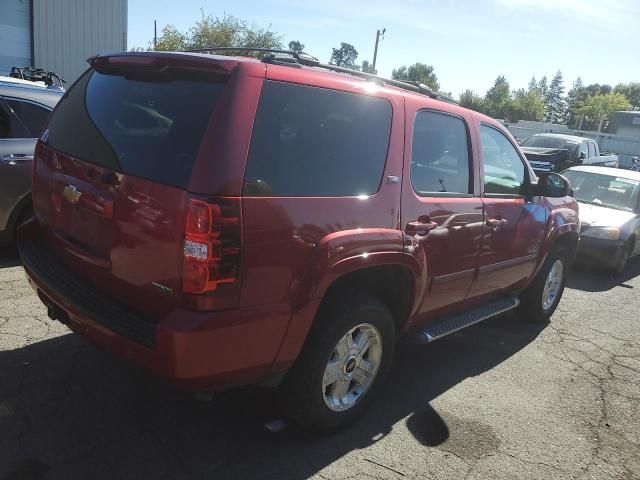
<point>553,185</point>
<point>583,155</point>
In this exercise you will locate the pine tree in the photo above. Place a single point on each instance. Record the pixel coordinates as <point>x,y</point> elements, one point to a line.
<point>498,98</point>
<point>543,87</point>
<point>575,97</point>
<point>533,84</point>
<point>554,101</point>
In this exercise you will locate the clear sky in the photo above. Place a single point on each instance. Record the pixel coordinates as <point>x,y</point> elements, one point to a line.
<point>468,42</point>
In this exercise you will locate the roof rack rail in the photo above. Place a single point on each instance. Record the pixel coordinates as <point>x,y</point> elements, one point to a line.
<point>307,60</point>
<point>302,57</point>
<point>38,75</point>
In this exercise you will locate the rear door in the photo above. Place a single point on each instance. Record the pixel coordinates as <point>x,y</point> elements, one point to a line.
<point>514,225</point>
<point>112,175</point>
<point>441,214</point>
<point>17,142</point>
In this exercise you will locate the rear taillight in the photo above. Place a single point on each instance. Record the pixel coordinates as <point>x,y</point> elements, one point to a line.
<point>211,249</point>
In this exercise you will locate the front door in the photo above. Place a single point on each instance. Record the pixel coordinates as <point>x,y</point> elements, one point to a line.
<point>514,224</point>
<point>441,217</point>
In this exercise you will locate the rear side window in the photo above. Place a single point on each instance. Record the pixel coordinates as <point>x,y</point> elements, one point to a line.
<point>146,126</point>
<point>311,141</point>
<point>439,154</point>
<point>592,150</point>
<point>10,125</point>
<point>32,116</point>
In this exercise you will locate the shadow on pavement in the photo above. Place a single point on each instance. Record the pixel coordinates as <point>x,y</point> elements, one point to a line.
<point>592,279</point>
<point>9,257</point>
<point>69,411</point>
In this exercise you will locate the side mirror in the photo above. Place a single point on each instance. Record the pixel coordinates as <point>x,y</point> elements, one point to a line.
<point>582,156</point>
<point>553,185</point>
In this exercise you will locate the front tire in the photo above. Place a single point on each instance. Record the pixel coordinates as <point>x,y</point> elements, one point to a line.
<point>345,359</point>
<point>622,262</point>
<point>541,298</point>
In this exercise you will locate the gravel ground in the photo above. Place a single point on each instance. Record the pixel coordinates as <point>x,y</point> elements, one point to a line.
<point>501,400</point>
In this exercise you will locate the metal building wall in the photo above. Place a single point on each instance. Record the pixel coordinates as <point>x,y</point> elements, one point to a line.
<point>67,32</point>
<point>15,37</point>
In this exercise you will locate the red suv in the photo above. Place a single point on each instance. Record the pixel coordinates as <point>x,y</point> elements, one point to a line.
<point>226,221</point>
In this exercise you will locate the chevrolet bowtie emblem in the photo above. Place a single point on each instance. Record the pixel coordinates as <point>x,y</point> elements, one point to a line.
<point>71,193</point>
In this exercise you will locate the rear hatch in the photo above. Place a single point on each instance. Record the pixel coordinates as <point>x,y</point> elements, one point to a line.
<point>112,174</point>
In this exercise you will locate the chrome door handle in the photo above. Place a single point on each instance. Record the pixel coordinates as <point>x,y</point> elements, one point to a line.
<point>17,157</point>
<point>420,228</point>
<point>497,224</point>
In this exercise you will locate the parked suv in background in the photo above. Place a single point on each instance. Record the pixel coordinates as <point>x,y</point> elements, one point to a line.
<point>24,108</point>
<point>224,221</point>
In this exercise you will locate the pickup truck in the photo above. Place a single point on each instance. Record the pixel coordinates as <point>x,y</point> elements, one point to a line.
<point>555,152</point>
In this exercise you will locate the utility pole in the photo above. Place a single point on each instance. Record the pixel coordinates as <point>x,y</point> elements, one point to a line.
<point>155,34</point>
<point>375,50</point>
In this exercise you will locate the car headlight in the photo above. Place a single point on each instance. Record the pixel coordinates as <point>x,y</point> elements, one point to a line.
<point>606,233</point>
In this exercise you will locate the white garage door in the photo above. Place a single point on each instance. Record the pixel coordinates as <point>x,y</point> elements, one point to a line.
<point>15,34</point>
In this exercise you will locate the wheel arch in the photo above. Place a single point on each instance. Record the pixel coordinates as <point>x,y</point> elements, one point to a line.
<point>18,210</point>
<point>368,260</point>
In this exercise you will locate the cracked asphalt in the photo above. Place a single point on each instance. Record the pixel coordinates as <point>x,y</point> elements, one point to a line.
<point>501,400</point>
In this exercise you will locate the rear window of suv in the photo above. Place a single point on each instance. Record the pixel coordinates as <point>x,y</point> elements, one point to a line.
<point>310,141</point>
<point>145,126</point>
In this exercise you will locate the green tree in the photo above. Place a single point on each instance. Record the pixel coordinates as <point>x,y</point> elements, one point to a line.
<point>296,46</point>
<point>533,84</point>
<point>368,68</point>
<point>597,89</point>
<point>498,98</point>
<point>171,39</point>
<point>543,86</point>
<point>212,31</point>
<point>345,56</point>
<point>575,97</point>
<point>632,92</point>
<point>526,105</point>
<point>554,100</point>
<point>598,109</point>
<point>468,99</point>
<point>418,72</point>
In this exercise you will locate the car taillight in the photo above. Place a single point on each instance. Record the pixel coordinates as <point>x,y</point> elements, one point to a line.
<point>211,249</point>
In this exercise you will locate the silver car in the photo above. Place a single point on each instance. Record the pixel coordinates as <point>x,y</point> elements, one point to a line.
<point>609,200</point>
<point>24,109</point>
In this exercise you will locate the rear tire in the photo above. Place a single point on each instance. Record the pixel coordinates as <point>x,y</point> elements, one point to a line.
<point>345,359</point>
<point>541,298</point>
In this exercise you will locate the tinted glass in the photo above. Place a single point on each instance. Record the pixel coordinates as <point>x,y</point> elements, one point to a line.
<point>439,155</point>
<point>592,150</point>
<point>604,190</point>
<point>146,126</point>
<point>10,126</point>
<point>32,116</point>
<point>504,171</point>
<point>311,141</point>
<point>542,141</point>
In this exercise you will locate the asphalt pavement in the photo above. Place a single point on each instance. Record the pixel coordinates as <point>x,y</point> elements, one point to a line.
<point>500,400</point>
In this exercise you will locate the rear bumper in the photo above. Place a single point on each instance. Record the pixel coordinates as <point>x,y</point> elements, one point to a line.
<point>605,253</point>
<point>193,350</point>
